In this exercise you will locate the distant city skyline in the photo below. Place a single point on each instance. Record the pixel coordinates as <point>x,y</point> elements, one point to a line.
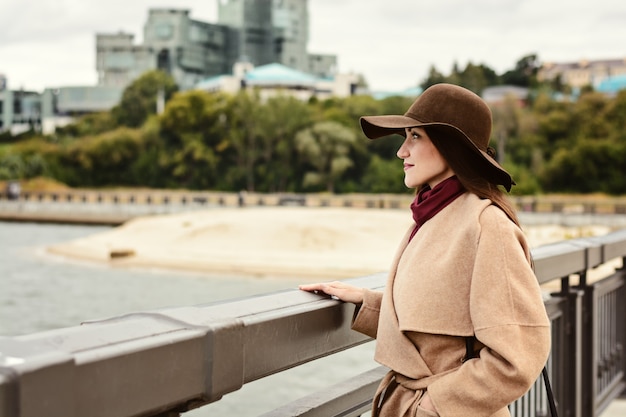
<point>45,43</point>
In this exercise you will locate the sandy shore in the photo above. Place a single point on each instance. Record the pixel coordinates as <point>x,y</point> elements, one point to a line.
<point>297,242</point>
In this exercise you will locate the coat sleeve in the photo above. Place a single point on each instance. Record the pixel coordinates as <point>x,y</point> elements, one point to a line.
<point>509,319</point>
<point>366,315</point>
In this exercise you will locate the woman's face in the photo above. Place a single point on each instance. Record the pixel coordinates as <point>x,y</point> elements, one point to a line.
<point>423,164</point>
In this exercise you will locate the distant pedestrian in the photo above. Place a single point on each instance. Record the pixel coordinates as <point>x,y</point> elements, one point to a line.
<point>461,281</point>
<point>13,190</point>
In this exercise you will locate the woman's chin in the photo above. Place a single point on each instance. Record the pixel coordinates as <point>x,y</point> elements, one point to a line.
<point>410,183</point>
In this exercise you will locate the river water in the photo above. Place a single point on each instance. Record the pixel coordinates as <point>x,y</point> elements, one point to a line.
<point>39,291</point>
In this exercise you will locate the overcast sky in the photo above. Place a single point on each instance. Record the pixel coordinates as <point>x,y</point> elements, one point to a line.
<point>393,43</point>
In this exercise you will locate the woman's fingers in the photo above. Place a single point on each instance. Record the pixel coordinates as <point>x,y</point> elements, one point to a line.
<point>311,287</point>
<point>343,291</point>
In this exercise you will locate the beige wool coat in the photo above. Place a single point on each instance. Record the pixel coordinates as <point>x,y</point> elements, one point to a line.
<point>466,272</point>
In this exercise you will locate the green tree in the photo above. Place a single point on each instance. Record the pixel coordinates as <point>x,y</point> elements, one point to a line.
<point>384,148</point>
<point>281,118</point>
<point>616,115</point>
<point>325,146</point>
<point>589,166</point>
<point>526,180</point>
<point>527,149</point>
<point>506,120</point>
<point>12,166</point>
<point>434,77</point>
<point>26,159</point>
<point>100,160</point>
<point>140,98</point>
<point>243,135</point>
<point>149,169</point>
<point>525,72</point>
<point>193,128</point>
<point>384,176</point>
<point>555,127</point>
<point>589,117</point>
<point>473,78</point>
<point>455,75</point>
<point>347,112</point>
<point>89,124</point>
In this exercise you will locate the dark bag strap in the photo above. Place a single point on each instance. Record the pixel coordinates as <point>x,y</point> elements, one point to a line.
<point>546,381</point>
<point>470,354</point>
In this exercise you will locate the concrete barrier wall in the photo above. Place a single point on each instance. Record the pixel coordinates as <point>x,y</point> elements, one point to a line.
<point>115,207</point>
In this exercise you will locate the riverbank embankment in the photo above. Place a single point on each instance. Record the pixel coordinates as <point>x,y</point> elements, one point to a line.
<point>299,235</point>
<point>303,242</point>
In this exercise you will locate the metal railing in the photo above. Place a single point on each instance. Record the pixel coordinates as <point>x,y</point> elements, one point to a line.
<point>167,361</point>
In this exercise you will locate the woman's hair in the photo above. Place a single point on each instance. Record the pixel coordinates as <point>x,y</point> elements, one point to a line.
<point>465,170</point>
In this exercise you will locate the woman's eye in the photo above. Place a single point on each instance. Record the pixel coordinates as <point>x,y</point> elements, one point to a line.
<point>415,135</point>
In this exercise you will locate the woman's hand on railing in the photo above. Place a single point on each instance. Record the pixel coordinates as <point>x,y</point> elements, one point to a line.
<point>337,289</point>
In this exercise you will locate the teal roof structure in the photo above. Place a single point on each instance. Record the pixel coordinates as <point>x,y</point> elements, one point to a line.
<point>408,92</point>
<point>278,74</point>
<point>612,85</point>
<point>211,82</point>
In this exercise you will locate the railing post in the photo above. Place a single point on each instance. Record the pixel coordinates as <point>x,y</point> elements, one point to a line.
<point>587,356</point>
<point>568,381</point>
<point>623,328</point>
<point>609,311</point>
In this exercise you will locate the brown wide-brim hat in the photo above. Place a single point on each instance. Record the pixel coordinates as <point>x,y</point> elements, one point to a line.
<point>459,125</point>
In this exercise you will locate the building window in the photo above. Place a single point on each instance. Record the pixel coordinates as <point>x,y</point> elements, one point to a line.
<point>17,106</point>
<point>164,31</point>
<point>163,60</point>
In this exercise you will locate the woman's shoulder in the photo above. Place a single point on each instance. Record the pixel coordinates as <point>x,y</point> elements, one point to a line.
<point>494,221</point>
<point>482,213</point>
<point>476,210</point>
<point>471,203</point>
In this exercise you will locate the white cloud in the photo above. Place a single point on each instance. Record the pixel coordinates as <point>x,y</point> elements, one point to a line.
<point>393,43</point>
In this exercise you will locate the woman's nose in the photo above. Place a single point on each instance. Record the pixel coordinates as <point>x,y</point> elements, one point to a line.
<point>402,151</point>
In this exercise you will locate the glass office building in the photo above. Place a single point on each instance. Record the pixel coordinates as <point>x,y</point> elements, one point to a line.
<point>256,31</point>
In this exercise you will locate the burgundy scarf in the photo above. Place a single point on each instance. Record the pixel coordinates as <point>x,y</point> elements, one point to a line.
<point>429,202</point>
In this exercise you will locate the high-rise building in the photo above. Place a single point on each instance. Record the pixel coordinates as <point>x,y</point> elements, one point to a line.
<point>188,49</point>
<point>271,31</point>
<point>256,31</point>
<point>19,111</point>
<point>290,20</point>
<point>253,22</point>
<point>259,35</point>
<point>119,61</point>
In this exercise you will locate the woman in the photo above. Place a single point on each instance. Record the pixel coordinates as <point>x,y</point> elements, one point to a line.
<point>461,280</point>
